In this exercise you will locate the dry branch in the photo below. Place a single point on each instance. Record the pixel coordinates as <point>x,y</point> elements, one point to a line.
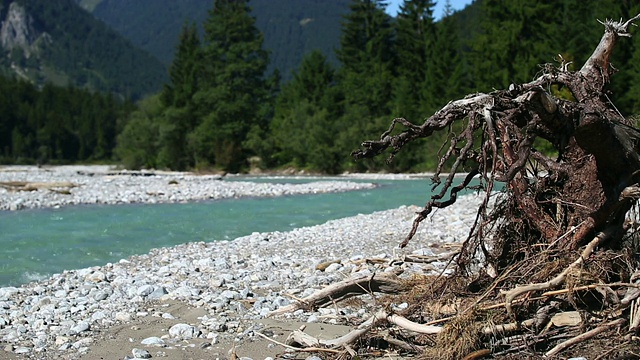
<point>585,336</point>
<point>559,279</point>
<point>378,283</point>
<point>302,338</point>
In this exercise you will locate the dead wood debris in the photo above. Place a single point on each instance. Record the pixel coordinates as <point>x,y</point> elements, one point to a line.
<point>61,187</point>
<point>552,268</point>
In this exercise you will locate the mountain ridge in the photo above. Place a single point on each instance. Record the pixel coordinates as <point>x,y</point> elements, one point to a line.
<point>291,28</point>
<point>57,42</point>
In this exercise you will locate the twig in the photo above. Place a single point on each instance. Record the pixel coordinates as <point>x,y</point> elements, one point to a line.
<point>589,287</point>
<point>308,349</point>
<point>503,328</point>
<point>585,336</point>
<point>606,353</point>
<point>558,280</point>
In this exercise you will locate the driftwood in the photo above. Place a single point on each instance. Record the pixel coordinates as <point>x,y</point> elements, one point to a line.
<point>302,338</point>
<point>585,336</point>
<point>59,186</point>
<point>378,283</point>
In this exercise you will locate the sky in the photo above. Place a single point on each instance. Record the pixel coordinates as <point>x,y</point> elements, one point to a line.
<point>394,6</point>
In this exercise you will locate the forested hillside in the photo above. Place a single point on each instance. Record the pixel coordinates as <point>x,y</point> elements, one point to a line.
<point>291,28</point>
<point>57,125</point>
<point>56,42</point>
<point>405,67</point>
<point>222,110</point>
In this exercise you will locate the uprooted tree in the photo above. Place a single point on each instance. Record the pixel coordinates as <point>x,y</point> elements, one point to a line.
<point>558,243</point>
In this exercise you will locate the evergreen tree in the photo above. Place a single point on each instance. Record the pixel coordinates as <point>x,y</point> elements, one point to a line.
<point>179,118</point>
<point>232,87</point>
<point>304,119</point>
<point>367,57</point>
<point>365,79</point>
<point>445,68</point>
<point>184,71</point>
<point>516,36</point>
<point>415,35</point>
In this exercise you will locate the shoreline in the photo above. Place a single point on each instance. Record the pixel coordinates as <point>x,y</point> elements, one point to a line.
<point>200,300</point>
<point>30,187</point>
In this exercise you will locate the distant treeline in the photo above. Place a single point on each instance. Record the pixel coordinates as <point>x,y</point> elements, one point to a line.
<point>57,125</point>
<point>220,111</point>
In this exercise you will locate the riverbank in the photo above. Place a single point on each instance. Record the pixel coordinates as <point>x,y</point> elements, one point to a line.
<point>28,187</point>
<point>203,300</point>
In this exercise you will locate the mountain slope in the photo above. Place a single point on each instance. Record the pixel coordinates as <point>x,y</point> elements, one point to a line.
<point>56,41</point>
<point>291,28</point>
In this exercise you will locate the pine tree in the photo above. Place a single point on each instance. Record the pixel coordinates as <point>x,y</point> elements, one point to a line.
<point>516,37</point>
<point>365,79</point>
<point>232,87</point>
<point>184,71</point>
<point>304,119</point>
<point>179,118</point>
<point>367,56</point>
<point>445,68</point>
<point>415,35</point>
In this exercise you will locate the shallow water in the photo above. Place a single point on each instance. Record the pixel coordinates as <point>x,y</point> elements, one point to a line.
<point>35,244</point>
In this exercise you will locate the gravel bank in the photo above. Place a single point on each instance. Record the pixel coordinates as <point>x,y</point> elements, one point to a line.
<point>100,185</point>
<point>199,300</point>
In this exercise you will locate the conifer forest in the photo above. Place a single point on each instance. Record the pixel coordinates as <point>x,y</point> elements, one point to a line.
<point>221,109</point>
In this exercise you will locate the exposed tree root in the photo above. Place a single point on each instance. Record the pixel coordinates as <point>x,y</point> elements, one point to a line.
<point>554,207</point>
<point>558,280</point>
<point>302,338</point>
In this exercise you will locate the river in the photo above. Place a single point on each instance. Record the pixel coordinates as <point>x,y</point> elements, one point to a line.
<point>35,244</point>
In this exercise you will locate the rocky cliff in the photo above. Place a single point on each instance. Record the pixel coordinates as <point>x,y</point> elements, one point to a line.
<point>56,41</point>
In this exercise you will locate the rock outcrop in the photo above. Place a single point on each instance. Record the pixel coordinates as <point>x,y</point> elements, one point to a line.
<point>17,30</point>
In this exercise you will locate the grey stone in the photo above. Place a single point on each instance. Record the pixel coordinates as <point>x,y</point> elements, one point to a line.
<point>80,327</point>
<point>183,331</point>
<point>140,354</point>
<point>154,340</point>
<point>157,293</point>
<point>22,350</point>
<point>100,295</point>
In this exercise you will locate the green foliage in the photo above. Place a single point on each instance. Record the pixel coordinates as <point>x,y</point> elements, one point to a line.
<point>56,125</point>
<point>415,36</point>
<point>514,40</point>
<point>366,54</point>
<point>218,97</point>
<point>138,145</point>
<point>305,118</point>
<point>219,109</point>
<point>446,68</point>
<point>232,85</point>
<point>185,70</point>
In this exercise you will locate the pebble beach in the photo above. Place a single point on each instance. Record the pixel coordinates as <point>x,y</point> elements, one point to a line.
<point>205,300</point>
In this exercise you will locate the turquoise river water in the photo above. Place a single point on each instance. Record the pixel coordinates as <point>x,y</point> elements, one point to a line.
<point>35,244</point>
